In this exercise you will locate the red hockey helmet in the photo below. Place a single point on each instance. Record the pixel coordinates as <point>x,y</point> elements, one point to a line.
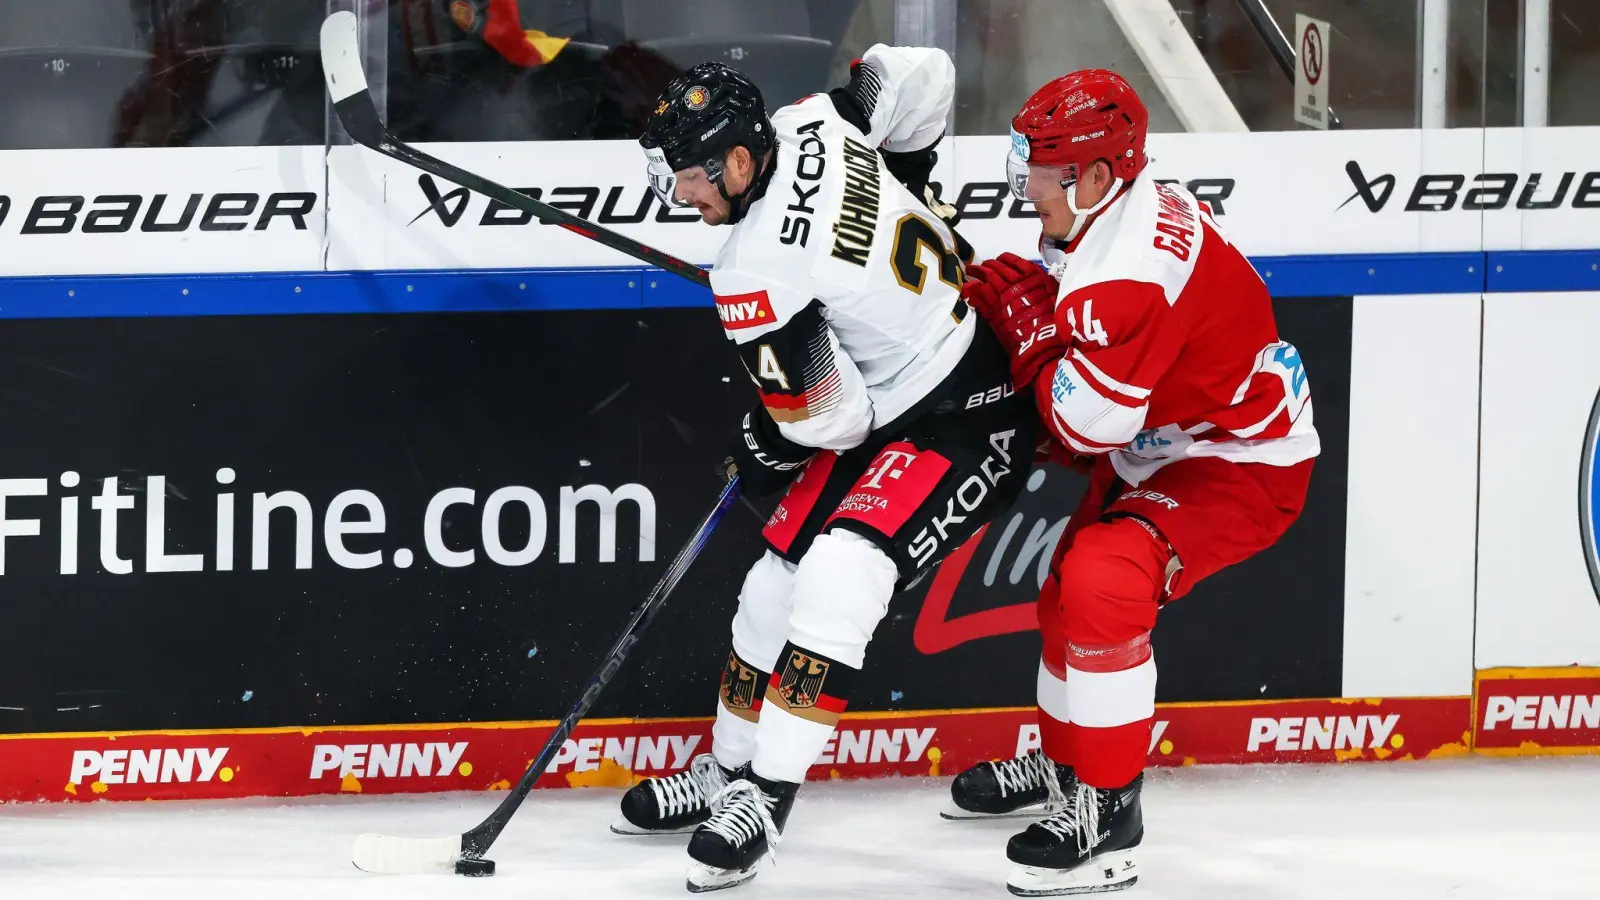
<point>1069,124</point>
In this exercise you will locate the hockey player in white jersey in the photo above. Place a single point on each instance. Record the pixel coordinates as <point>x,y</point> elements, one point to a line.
<point>884,406</point>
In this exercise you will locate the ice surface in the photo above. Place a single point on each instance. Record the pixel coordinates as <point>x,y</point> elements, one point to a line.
<point>1459,829</point>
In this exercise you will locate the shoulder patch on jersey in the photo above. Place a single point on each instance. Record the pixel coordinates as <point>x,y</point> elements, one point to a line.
<point>745,310</point>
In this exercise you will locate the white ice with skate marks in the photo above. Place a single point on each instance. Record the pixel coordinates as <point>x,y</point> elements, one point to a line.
<point>1454,829</point>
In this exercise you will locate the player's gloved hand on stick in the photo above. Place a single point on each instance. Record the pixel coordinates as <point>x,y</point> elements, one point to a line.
<point>760,454</point>
<point>1017,297</point>
<point>948,212</point>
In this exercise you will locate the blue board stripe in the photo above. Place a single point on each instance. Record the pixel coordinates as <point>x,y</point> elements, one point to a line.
<point>287,293</point>
<point>471,290</point>
<point>1387,273</point>
<point>1544,270</point>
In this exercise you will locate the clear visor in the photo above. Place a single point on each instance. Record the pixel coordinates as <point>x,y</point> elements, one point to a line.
<point>673,186</point>
<point>664,181</point>
<point>1033,182</point>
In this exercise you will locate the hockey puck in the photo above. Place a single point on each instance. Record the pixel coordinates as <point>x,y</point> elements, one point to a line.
<point>474,868</point>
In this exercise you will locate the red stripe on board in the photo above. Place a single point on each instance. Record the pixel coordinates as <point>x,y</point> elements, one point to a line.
<point>380,760</point>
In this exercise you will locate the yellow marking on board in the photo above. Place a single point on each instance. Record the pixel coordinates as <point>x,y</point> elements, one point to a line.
<point>608,774</point>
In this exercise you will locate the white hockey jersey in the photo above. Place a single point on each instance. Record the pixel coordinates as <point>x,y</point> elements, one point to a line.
<point>1175,351</point>
<point>840,287</point>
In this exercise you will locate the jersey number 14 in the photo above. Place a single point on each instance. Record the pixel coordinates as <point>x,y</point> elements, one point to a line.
<point>1092,329</point>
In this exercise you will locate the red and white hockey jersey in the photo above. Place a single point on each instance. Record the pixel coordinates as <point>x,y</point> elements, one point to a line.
<point>1174,348</point>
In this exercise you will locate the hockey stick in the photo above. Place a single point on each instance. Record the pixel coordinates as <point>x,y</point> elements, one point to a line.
<point>463,853</point>
<point>347,85</point>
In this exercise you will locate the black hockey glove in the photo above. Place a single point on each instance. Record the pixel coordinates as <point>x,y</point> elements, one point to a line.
<point>913,170</point>
<point>764,459</point>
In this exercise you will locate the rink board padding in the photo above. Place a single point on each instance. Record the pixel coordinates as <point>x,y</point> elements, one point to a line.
<point>428,517</point>
<point>284,762</point>
<point>1536,711</point>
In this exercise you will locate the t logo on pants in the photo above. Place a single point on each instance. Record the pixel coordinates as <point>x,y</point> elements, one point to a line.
<point>892,464</point>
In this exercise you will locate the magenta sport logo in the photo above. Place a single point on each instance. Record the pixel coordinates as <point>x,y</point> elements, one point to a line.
<point>1589,495</point>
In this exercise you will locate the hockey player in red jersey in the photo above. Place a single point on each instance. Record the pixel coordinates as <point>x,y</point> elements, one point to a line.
<point>1150,349</point>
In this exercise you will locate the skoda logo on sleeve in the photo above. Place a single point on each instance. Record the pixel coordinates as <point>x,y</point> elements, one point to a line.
<point>1589,496</point>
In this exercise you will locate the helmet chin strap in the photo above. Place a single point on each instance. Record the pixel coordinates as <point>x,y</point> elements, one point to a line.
<point>739,204</point>
<point>1081,216</point>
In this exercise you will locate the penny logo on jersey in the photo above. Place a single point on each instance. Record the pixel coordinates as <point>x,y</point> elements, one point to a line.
<point>1589,496</point>
<point>745,310</point>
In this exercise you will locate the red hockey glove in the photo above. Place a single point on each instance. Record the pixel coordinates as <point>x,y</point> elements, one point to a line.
<point>1017,298</point>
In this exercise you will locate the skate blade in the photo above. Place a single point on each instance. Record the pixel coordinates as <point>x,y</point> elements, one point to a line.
<point>1110,872</point>
<point>624,827</point>
<point>955,813</point>
<point>703,878</point>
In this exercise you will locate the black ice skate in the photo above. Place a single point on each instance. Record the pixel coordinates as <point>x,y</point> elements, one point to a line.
<point>1029,785</point>
<point>1086,848</point>
<point>676,804</point>
<point>746,825</point>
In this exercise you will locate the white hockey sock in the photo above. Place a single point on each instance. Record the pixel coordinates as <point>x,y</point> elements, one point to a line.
<point>733,734</point>
<point>759,629</point>
<point>805,697</point>
<point>841,591</point>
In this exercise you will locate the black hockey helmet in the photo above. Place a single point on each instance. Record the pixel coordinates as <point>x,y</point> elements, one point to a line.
<point>703,114</point>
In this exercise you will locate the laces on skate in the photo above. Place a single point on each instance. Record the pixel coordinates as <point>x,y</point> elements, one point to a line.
<point>744,811</point>
<point>695,786</point>
<point>1080,819</point>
